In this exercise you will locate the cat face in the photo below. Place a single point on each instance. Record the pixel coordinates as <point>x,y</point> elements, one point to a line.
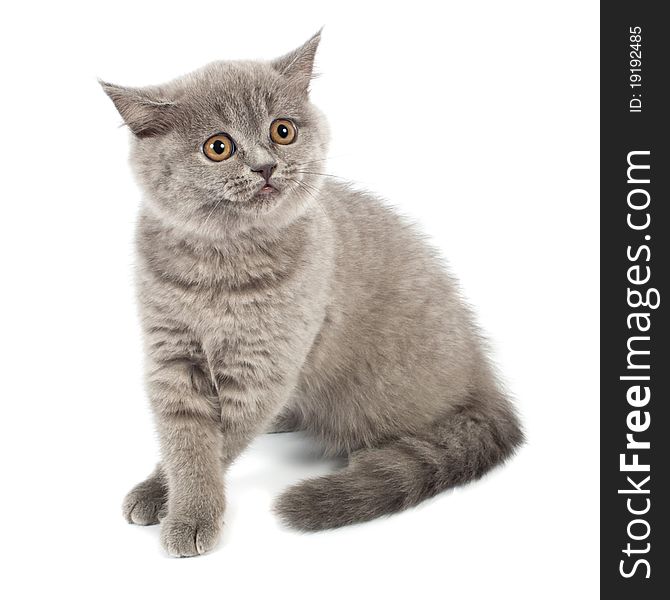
<point>232,146</point>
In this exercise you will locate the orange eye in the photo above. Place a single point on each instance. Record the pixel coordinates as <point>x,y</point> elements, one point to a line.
<point>218,147</point>
<point>283,131</point>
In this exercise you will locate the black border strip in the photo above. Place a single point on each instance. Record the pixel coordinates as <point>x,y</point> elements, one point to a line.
<point>635,266</point>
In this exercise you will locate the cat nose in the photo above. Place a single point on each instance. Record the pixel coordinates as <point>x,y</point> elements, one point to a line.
<point>265,170</point>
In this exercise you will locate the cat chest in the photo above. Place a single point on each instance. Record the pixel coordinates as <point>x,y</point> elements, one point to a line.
<point>221,309</point>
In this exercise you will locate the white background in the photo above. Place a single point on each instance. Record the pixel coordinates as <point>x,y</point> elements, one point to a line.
<point>478,119</point>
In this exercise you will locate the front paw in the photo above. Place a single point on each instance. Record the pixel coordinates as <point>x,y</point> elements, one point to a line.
<point>184,536</point>
<point>146,503</point>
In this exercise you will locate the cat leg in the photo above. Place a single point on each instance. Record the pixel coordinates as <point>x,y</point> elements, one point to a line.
<point>208,410</point>
<point>191,447</point>
<point>145,504</point>
<point>188,422</point>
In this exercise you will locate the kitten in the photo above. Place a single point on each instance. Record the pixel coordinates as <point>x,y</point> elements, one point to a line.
<point>274,297</point>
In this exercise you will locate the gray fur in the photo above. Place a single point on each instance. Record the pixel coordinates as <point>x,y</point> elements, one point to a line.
<point>317,308</point>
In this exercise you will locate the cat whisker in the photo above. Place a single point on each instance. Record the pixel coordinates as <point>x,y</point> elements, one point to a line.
<point>318,160</point>
<point>211,212</point>
<point>311,191</point>
<point>320,174</point>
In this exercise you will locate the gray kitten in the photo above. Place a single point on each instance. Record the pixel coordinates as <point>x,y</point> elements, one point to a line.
<point>272,297</point>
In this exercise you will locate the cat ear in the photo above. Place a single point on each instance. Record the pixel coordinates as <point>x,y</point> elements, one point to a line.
<point>298,65</point>
<point>144,111</point>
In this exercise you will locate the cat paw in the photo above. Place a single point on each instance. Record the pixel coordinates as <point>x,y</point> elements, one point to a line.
<point>146,503</point>
<point>185,537</point>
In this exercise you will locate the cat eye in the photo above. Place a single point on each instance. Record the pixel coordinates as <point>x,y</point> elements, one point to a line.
<point>219,147</point>
<point>283,131</point>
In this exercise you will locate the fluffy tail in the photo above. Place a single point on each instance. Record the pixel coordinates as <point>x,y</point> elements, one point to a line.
<point>402,473</point>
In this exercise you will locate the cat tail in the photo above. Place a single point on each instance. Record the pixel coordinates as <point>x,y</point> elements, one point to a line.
<point>379,481</point>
